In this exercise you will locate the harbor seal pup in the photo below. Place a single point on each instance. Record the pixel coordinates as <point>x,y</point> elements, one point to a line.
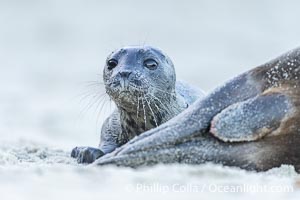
<point>141,80</point>
<point>251,121</point>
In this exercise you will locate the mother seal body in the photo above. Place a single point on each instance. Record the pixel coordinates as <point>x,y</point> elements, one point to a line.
<point>251,122</point>
<point>141,80</point>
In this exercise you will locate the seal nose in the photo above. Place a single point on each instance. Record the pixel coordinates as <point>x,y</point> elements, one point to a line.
<point>125,74</point>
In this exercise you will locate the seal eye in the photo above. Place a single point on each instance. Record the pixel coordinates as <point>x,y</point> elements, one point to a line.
<point>150,63</point>
<point>112,63</point>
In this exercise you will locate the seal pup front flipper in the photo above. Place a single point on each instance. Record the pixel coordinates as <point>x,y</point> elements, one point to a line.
<point>252,119</point>
<point>86,154</point>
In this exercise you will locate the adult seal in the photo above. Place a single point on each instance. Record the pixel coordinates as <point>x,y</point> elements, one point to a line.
<point>251,121</point>
<point>141,81</point>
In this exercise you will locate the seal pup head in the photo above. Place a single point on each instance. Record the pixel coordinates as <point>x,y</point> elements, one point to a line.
<point>134,74</point>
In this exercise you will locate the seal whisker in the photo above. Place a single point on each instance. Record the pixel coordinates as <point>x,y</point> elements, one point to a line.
<point>148,103</point>
<point>100,104</point>
<point>91,95</point>
<point>92,90</point>
<point>158,109</point>
<point>167,109</point>
<point>93,83</point>
<point>91,102</point>
<point>138,107</point>
<point>172,94</point>
<point>145,119</point>
<point>95,99</point>
<point>103,102</point>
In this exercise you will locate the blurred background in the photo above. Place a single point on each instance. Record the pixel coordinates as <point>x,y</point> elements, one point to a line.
<point>51,50</point>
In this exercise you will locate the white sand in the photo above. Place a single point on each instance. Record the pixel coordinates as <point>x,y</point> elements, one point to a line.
<point>31,171</point>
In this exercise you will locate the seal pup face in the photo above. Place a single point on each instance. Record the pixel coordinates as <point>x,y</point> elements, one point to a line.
<point>134,73</point>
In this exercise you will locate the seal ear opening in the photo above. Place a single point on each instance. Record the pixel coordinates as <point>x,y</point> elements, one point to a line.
<point>252,119</point>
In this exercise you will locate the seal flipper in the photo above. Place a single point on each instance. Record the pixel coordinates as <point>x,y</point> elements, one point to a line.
<point>86,154</point>
<point>251,119</point>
